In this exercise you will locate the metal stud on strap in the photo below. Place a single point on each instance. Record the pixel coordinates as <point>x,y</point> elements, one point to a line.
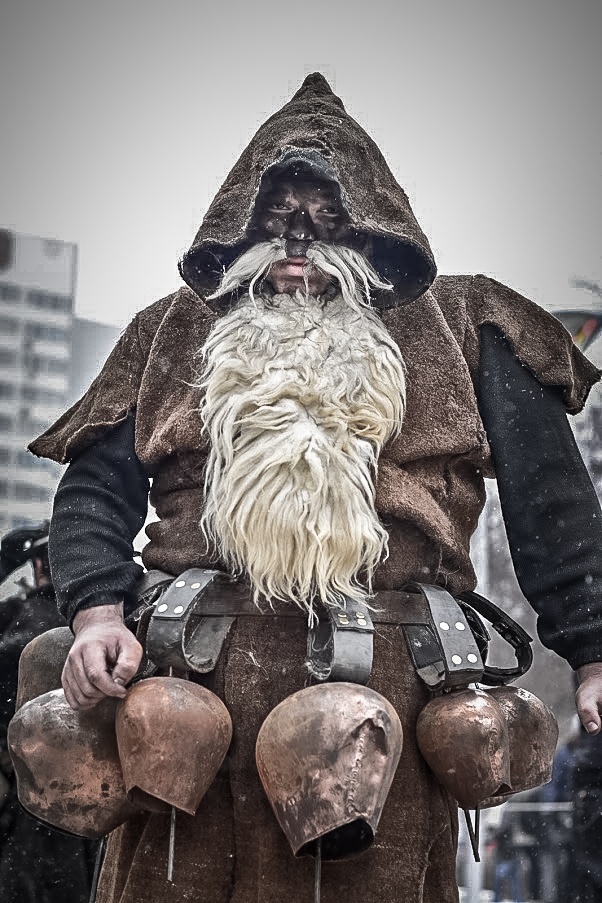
<point>340,646</point>
<point>178,637</point>
<point>445,653</point>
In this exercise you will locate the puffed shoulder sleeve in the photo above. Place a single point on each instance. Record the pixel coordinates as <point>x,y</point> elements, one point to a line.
<point>537,338</point>
<point>112,395</point>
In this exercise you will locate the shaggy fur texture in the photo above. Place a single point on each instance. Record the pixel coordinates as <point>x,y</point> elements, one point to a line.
<point>300,396</point>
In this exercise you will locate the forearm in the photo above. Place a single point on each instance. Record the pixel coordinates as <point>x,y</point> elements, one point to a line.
<point>552,516</point>
<point>100,506</point>
<point>96,615</point>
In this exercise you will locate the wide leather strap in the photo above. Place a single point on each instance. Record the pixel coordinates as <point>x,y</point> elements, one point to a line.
<point>185,635</point>
<point>340,645</point>
<point>444,650</point>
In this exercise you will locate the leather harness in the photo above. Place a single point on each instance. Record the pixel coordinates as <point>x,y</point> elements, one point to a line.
<point>186,621</point>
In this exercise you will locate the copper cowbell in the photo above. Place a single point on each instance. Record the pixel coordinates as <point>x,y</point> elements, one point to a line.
<point>173,735</point>
<point>326,757</point>
<point>463,735</point>
<point>67,765</point>
<point>532,735</point>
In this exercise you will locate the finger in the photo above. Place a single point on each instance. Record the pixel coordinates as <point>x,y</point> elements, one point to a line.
<point>74,695</point>
<point>78,701</point>
<point>587,706</point>
<point>88,677</point>
<point>90,673</point>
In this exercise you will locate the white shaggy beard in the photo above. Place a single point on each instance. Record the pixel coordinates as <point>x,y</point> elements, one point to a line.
<point>299,399</point>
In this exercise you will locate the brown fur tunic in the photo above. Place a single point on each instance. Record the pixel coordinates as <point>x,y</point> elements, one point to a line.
<point>430,491</point>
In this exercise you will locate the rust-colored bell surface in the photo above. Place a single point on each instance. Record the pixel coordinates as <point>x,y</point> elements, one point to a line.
<point>533,734</point>
<point>464,738</point>
<point>67,765</point>
<point>326,757</point>
<point>173,735</point>
<point>41,664</point>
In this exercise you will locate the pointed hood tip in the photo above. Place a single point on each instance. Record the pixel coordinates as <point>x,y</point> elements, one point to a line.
<point>317,85</point>
<point>316,80</point>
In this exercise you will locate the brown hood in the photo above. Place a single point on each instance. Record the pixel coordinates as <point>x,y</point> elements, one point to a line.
<point>315,128</point>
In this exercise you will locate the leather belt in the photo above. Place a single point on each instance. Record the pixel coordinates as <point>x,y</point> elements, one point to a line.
<point>232,599</point>
<point>193,616</point>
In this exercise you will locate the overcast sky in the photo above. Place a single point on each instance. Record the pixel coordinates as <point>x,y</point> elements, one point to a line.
<point>119,120</point>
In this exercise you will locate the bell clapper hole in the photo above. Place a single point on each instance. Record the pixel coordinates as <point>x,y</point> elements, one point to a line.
<point>318,870</point>
<point>172,843</point>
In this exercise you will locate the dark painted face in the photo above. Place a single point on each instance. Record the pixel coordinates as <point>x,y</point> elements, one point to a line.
<point>301,209</point>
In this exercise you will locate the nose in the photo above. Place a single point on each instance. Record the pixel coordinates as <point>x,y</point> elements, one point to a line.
<point>300,225</point>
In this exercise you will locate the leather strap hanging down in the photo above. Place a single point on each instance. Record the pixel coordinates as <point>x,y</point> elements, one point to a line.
<point>340,646</point>
<point>182,637</point>
<point>445,652</point>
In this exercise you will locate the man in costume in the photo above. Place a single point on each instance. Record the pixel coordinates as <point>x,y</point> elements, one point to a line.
<point>352,405</point>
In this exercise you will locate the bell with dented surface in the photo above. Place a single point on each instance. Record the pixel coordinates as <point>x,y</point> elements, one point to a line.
<point>326,757</point>
<point>463,736</point>
<point>67,765</point>
<point>533,734</point>
<point>173,735</point>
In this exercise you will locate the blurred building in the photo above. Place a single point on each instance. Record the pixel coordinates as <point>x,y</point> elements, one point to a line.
<point>47,358</point>
<point>91,344</point>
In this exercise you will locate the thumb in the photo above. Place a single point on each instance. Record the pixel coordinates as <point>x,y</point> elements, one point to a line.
<point>587,706</point>
<point>589,717</point>
<point>128,659</point>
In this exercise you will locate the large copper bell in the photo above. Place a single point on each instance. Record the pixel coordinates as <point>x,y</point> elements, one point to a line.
<point>326,757</point>
<point>533,734</point>
<point>41,664</point>
<point>173,735</point>
<point>67,765</point>
<point>464,738</point>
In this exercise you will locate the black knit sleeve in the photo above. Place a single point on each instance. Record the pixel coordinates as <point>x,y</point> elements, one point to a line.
<point>99,507</point>
<point>550,508</point>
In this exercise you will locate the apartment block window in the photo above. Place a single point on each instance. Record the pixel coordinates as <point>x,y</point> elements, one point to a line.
<point>35,395</point>
<point>3,489</point>
<point>45,332</point>
<point>32,426</point>
<point>48,301</point>
<point>27,461</point>
<point>7,391</point>
<point>9,292</point>
<point>6,424</point>
<point>39,365</point>
<point>8,358</point>
<point>9,326</point>
<point>25,492</point>
<point>4,456</point>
